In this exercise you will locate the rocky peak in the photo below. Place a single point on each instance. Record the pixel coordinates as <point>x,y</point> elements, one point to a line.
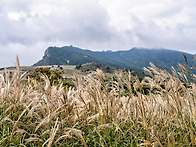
<point>47,52</point>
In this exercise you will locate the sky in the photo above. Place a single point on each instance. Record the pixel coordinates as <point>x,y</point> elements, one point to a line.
<point>29,27</point>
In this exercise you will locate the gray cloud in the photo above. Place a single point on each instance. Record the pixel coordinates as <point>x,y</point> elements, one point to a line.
<point>28,27</point>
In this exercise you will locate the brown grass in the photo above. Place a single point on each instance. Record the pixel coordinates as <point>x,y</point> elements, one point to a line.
<point>41,114</point>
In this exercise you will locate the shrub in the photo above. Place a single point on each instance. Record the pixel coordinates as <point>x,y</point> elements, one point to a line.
<point>96,112</point>
<point>55,77</point>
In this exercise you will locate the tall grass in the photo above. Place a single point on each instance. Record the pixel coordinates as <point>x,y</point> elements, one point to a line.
<point>97,112</point>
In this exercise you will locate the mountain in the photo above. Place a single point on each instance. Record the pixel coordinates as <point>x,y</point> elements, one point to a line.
<point>63,56</point>
<point>135,58</point>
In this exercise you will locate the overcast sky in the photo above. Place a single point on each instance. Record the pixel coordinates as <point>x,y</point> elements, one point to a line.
<point>28,27</point>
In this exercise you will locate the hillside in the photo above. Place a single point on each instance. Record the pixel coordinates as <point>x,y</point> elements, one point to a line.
<point>135,58</point>
<point>94,110</point>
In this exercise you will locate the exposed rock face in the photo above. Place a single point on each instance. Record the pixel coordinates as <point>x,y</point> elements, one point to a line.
<point>135,58</point>
<point>46,53</point>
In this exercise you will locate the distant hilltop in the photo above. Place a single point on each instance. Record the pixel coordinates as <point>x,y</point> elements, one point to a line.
<point>134,59</point>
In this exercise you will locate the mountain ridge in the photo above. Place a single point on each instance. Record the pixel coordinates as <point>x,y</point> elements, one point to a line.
<point>135,58</point>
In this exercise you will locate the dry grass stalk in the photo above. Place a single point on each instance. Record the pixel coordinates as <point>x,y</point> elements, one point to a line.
<point>170,103</point>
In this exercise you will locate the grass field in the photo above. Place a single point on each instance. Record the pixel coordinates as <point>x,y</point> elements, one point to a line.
<point>160,110</point>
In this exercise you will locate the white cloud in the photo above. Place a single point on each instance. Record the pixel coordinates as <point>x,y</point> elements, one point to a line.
<point>16,16</point>
<point>28,27</point>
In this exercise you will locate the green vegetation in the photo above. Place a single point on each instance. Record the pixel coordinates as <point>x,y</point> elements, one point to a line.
<point>93,67</point>
<point>55,77</point>
<point>96,112</point>
<point>64,56</point>
<point>134,59</point>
